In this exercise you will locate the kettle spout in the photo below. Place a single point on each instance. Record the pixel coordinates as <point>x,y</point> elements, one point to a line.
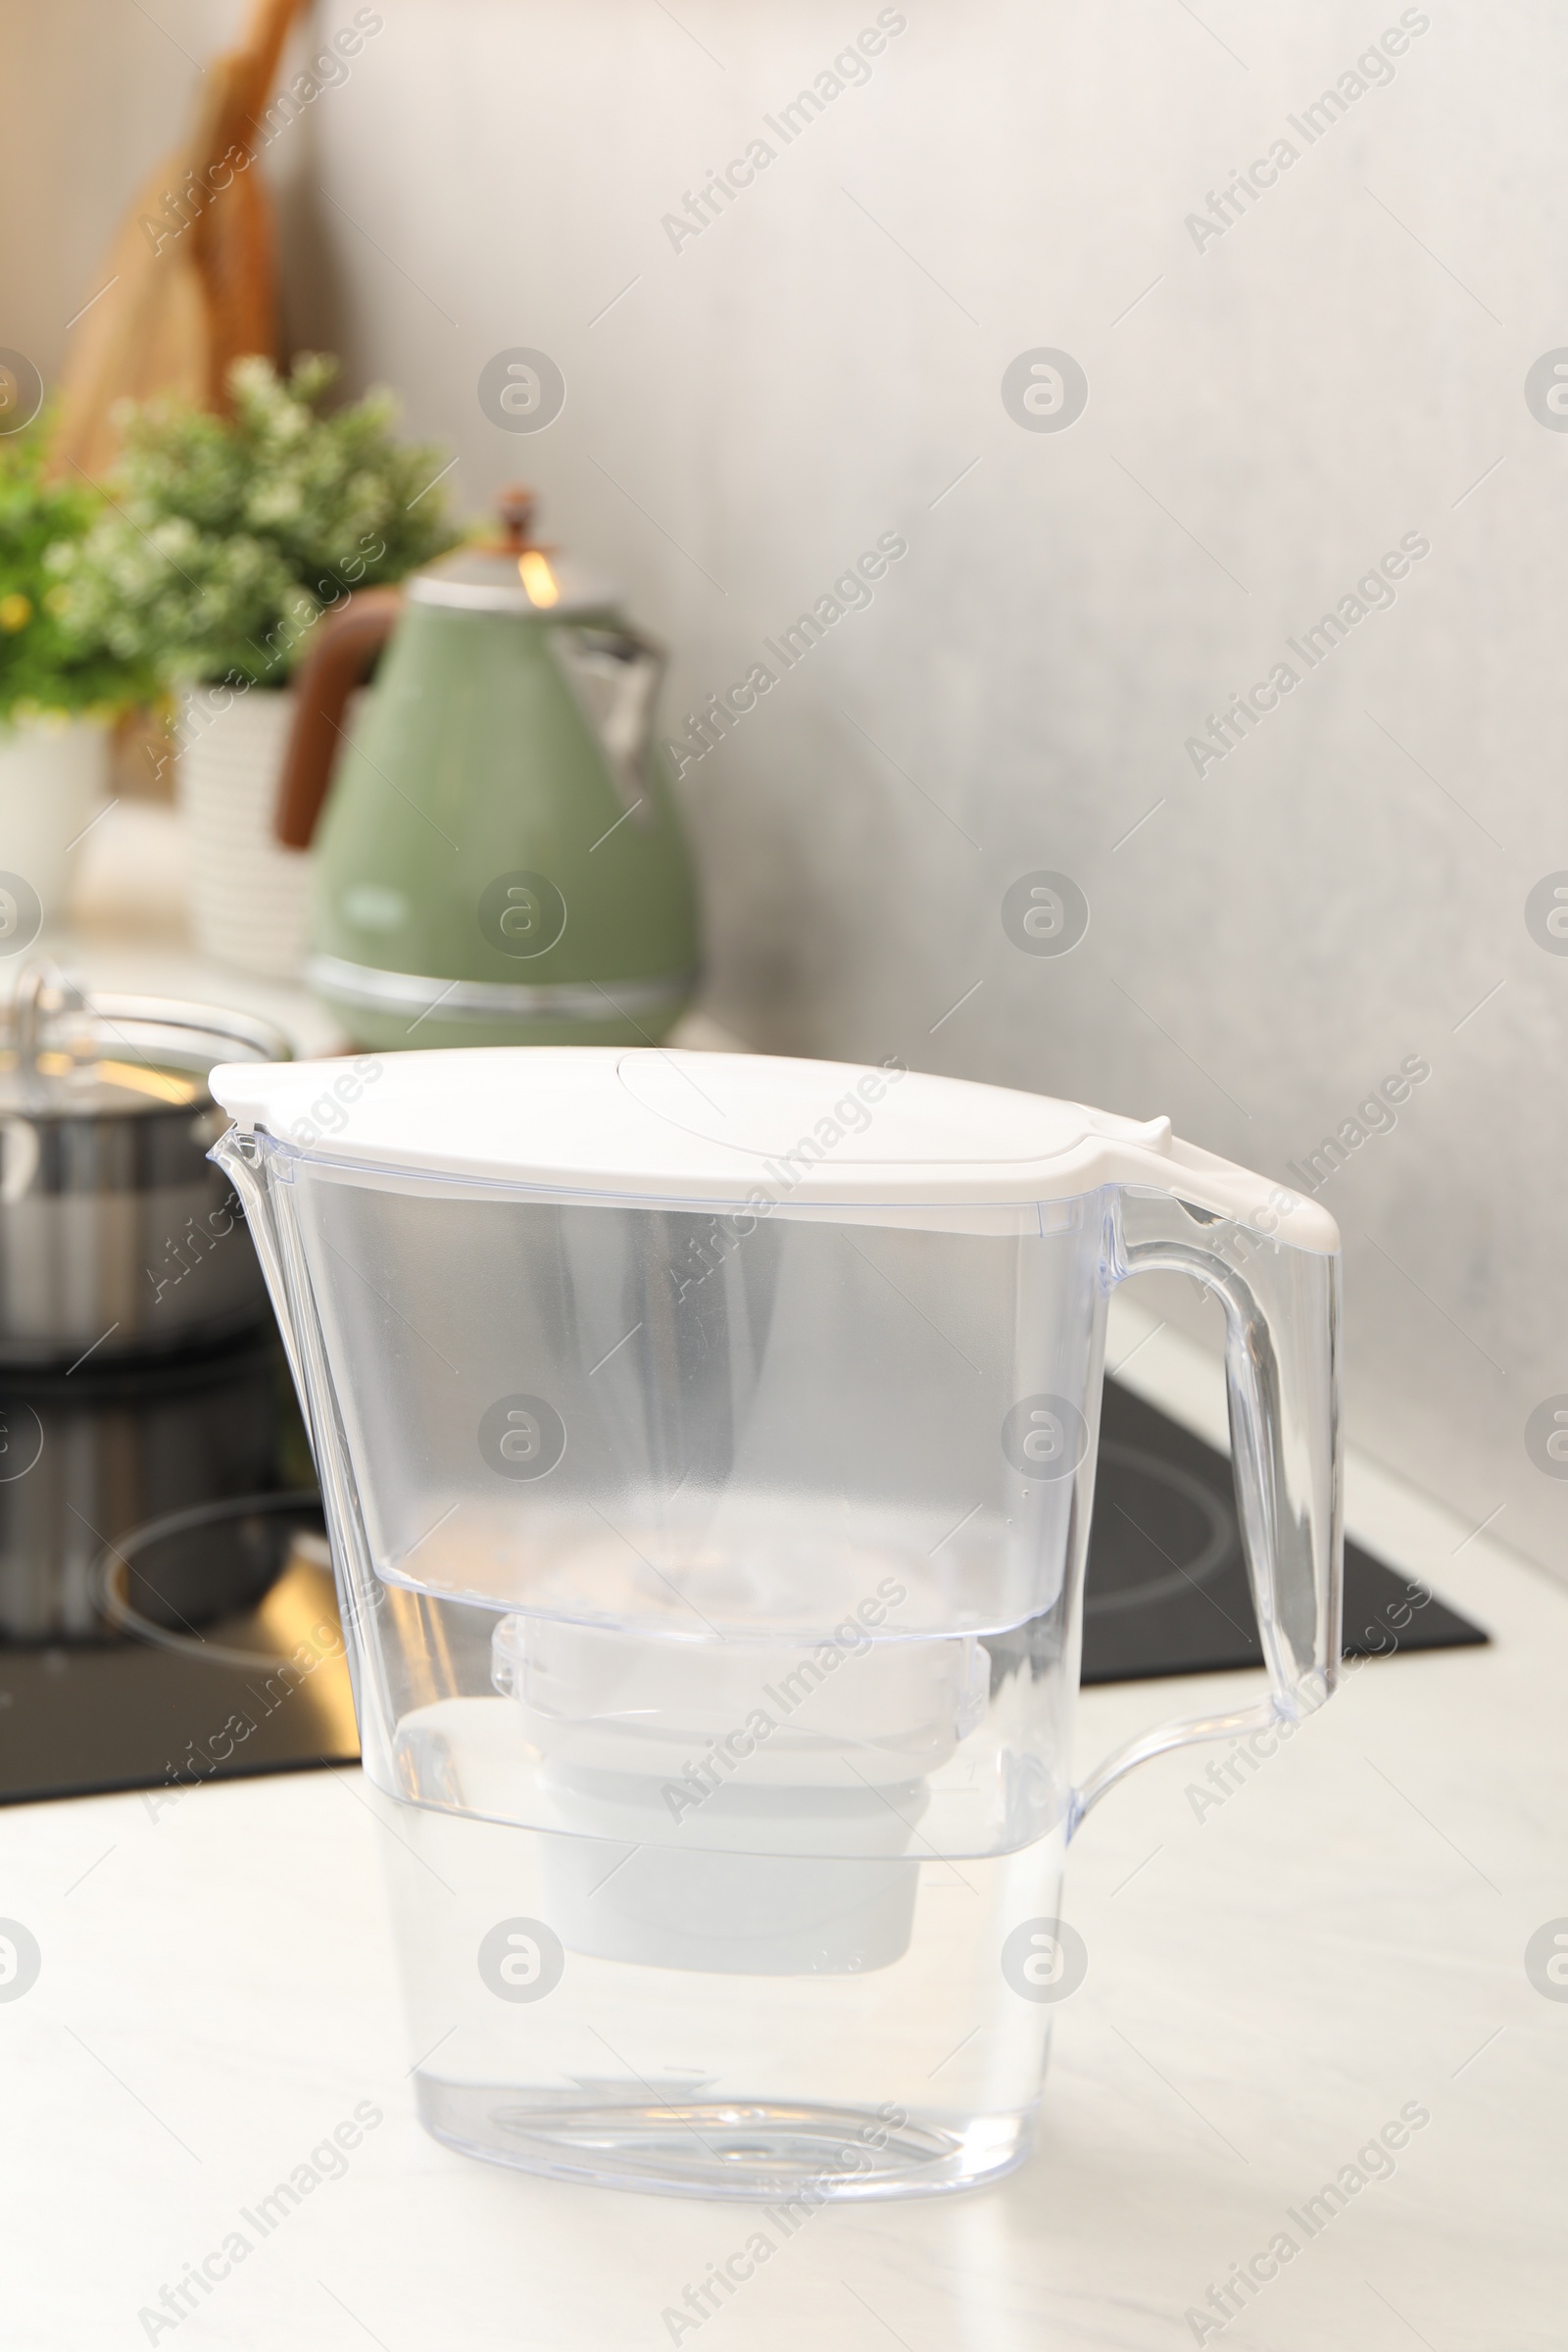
<point>240,1158</point>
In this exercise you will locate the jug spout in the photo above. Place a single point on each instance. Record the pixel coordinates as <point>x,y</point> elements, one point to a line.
<point>240,1158</point>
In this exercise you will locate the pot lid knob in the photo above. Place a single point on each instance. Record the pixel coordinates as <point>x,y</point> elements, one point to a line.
<point>42,991</point>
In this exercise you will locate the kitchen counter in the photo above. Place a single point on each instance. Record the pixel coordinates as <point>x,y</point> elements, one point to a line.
<point>1283,1961</point>
<point>1276,1974</point>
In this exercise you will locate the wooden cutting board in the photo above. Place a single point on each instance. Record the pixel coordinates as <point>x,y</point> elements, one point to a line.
<point>190,281</point>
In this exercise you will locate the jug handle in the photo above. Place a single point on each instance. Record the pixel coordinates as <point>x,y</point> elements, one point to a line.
<point>1282,1312</point>
<point>343,647</point>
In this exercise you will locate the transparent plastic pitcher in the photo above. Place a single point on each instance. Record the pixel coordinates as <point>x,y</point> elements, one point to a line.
<point>707,1446</point>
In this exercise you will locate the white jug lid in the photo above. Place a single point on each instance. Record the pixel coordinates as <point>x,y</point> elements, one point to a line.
<point>654,1124</point>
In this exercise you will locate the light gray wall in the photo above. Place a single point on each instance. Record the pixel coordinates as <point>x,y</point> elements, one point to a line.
<point>1343,366</point>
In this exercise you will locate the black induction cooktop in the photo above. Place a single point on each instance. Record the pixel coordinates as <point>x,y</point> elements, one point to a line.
<point>1166,1590</point>
<point>166,1598</point>
<point>166,1609</point>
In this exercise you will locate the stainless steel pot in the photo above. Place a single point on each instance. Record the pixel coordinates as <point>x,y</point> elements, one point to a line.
<point>118,1237</point>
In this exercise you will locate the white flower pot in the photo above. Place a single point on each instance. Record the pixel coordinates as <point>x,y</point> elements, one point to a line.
<point>54,779</point>
<point>250,897</point>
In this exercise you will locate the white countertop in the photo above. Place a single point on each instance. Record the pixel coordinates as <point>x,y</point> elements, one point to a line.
<point>1268,1985</point>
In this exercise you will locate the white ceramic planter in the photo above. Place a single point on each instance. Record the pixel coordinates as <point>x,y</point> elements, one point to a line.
<point>54,778</point>
<point>250,897</point>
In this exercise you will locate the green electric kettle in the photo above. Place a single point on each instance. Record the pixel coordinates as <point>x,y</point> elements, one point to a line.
<point>498,856</point>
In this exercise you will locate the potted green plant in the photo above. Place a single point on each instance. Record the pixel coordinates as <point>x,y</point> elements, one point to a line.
<point>224,540</point>
<point>60,690</point>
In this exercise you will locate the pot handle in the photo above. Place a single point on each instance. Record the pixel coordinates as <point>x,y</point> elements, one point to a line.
<point>344,645</point>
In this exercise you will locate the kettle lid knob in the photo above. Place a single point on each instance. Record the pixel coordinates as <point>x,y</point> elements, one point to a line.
<point>515,506</point>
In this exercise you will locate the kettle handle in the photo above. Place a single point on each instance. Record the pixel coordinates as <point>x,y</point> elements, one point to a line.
<point>344,645</point>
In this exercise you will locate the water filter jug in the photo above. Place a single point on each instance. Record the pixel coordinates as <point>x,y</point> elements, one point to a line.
<point>707,1446</point>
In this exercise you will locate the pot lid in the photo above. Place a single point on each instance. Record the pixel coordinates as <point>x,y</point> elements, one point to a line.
<point>735,1128</point>
<point>65,1054</point>
<point>512,572</point>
